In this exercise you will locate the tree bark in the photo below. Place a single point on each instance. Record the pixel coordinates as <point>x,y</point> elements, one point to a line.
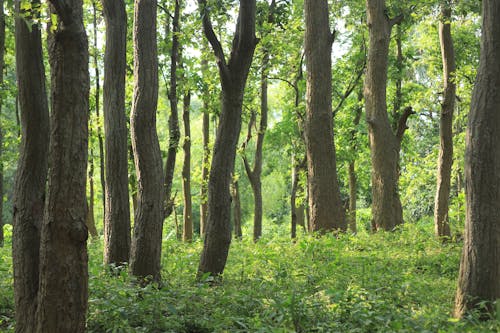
<point>90,221</point>
<point>233,77</point>
<point>173,121</point>
<point>297,211</point>
<point>187,235</point>
<point>478,281</point>
<point>62,298</point>
<point>31,176</point>
<point>445,160</point>
<point>236,204</point>
<point>327,213</point>
<point>384,144</point>
<point>117,212</point>
<point>146,243</point>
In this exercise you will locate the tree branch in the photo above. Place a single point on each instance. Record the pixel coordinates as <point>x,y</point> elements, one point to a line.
<point>396,20</point>
<point>402,124</point>
<point>350,88</point>
<point>213,40</point>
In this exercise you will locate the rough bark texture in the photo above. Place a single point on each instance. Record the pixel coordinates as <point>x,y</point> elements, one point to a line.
<point>327,213</point>
<point>445,160</point>
<point>90,221</point>
<point>146,243</point>
<point>117,212</point>
<point>233,76</point>
<point>62,298</point>
<point>2,65</point>
<point>187,234</point>
<point>236,204</point>
<point>479,275</point>
<point>384,144</point>
<point>31,176</point>
<point>173,120</point>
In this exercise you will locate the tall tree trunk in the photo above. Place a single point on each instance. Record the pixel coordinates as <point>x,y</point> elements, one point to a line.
<point>233,76</point>
<point>205,164</point>
<point>62,298</point>
<point>445,160</point>
<point>98,109</point>
<point>31,176</point>
<point>327,213</point>
<point>90,221</point>
<point>384,143</point>
<point>117,212</point>
<point>478,281</point>
<point>353,187</point>
<point>2,65</point>
<point>297,211</point>
<point>173,121</point>
<point>236,204</point>
<point>187,235</point>
<point>146,243</point>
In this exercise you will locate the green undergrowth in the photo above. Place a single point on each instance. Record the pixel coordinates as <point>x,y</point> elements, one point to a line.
<point>388,282</point>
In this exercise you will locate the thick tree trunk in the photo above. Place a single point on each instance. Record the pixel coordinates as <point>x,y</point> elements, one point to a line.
<point>327,213</point>
<point>233,76</point>
<point>187,234</point>
<point>146,243</point>
<point>31,176</point>
<point>62,298</point>
<point>173,120</point>
<point>236,205</point>
<point>117,212</point>
<point>384,144</point>
<point>445,160</point>
<point>478,281</point>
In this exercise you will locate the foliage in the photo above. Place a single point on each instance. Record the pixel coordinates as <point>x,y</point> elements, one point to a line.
<point>388,282</point>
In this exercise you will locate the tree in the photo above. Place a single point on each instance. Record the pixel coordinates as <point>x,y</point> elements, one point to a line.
<point>478,286</point>
<point>187,234</point>
<point>173,120</point>
<point>2,65</point>
<point>146,243</point>
<point>325,206</point>
<point>31,176</point>
<point>62,298</point>
<point>445,161</point>
<point>384,143</point>
<point>117,208</point>
<point>233,75</point>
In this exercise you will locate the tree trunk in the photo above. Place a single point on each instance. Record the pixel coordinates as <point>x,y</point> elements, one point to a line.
<point>187,235</point>
<point>2,65</point>
<point>327,213</point>
<point>205,166</point>
<point>98,110</point>
<point>90,221</point>
<point>62,298</point>
<point>31,176</point>
<point>117,212</point>
<point>146,243</point>
<point>478,281</point>
<point>384,144</point>
<point>445,160</point>
<point>236,204</point>
<point>353,187</point>
<point>233,77</point>
<point>173,121</point>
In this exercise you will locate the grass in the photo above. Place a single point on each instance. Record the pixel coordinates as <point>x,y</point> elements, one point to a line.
<point>388,282</point>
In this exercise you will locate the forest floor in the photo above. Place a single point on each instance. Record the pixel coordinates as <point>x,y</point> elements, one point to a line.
<point>388,282</point>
